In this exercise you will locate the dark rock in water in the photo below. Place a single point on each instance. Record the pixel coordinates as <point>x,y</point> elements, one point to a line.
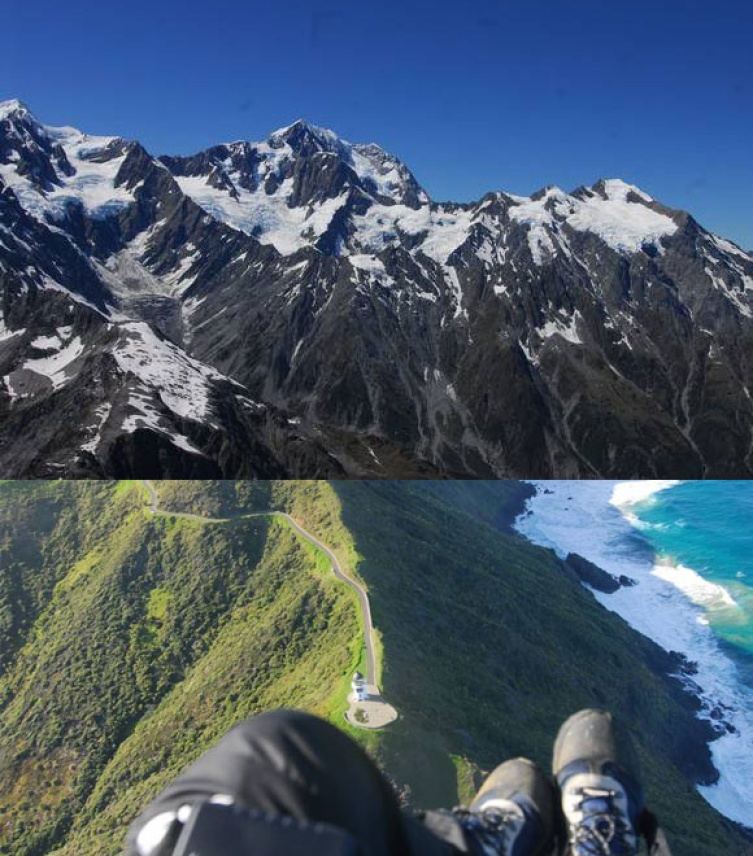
<point>592,575</point>
<point>690,743</point>
<point>682,664</point>
<point>720,724</point>
<point>626,581</point>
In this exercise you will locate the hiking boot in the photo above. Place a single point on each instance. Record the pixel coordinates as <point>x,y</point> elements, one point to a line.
<point>513,812</point>
<point>597,771</point>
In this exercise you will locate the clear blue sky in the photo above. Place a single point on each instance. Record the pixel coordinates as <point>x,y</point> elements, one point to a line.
<point>474,95</point>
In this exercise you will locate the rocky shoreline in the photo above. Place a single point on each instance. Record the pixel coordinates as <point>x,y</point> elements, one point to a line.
<point>691,739</point>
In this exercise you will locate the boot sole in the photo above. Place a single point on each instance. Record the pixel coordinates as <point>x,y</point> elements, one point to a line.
<point>591,743</point>
<point>587,736</point>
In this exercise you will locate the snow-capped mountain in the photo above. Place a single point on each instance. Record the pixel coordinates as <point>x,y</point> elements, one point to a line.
<point>300,305</point>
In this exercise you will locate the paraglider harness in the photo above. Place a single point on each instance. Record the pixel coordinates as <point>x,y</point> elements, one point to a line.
<point>229,830</point>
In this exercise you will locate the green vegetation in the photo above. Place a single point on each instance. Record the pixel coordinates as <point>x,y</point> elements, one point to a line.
<point>489,644</point>
<point>130,642</point>
<point>215,498</point>
<point>468,779</point>
<point>156,634</point>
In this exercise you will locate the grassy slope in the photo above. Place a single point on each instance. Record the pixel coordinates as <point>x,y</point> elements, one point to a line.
<point>215,498</point>
<point>159,634</point>
<point>25,582</point>
<point>487,645</point>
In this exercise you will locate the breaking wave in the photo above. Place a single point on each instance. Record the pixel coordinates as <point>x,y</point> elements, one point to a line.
<point>672,604</point>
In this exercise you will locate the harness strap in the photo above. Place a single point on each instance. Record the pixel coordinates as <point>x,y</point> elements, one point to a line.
<point>648,827</point>
<point>229,830</point>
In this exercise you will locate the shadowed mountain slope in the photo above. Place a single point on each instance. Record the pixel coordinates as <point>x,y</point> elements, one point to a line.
<point>299,306</point>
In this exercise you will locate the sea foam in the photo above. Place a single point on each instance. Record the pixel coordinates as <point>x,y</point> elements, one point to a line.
<point>669,604</point>
<point>630,493</point>
<point>700,591</point>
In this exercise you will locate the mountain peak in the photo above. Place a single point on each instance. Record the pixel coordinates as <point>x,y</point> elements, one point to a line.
<point>300,124</point>
<point>12,105</point>
<point>619,190</point>
<point>16,109</point>
<point>266,260</point>
<point>306,138</point>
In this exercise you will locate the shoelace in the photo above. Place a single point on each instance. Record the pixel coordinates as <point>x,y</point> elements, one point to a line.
<point>490,829</point>
<point>602,831</point>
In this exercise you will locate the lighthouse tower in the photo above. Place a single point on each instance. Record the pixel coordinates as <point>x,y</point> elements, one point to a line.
<point>359,687</point>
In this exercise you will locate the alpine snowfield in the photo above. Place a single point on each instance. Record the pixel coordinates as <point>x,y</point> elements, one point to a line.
<point>312,285</point>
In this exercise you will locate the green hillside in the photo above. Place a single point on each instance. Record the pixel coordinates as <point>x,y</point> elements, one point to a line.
<point>148,638</point>
<point>130,642</point>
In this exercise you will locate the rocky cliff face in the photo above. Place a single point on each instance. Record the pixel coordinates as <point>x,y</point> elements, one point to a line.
<point>339,321</point>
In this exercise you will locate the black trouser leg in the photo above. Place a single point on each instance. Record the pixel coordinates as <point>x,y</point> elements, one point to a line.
<point>290,763</point>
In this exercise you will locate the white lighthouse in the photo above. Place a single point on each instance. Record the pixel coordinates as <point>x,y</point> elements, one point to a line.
<point>359,687</point>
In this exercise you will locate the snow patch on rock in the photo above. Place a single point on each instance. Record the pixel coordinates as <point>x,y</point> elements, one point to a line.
<point>56,367</point>
<point>625,226</point>
<point>102,414</point>
<point>730,293</point>
<point>267,217</point>
<point>444,228</point>
<point>184,384</point>
<point>6,335</point>
<point>568,330</point>
<point>146,416</point>
<point>365,262</point>
<point>92,183</point>
<point>728,247</point>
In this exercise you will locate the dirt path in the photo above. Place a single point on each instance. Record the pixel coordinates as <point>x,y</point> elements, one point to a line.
<point>374,712</point>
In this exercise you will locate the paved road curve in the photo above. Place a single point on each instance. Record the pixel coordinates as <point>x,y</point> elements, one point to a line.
<point>363,597</point>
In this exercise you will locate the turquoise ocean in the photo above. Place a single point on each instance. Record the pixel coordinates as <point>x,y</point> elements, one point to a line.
<point>689,547</point>
<point>707,528</point>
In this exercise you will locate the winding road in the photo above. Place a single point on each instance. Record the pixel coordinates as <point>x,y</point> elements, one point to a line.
<point>363,597</point>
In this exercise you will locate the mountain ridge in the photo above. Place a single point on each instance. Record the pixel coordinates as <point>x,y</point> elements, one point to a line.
<point>592,333</point>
